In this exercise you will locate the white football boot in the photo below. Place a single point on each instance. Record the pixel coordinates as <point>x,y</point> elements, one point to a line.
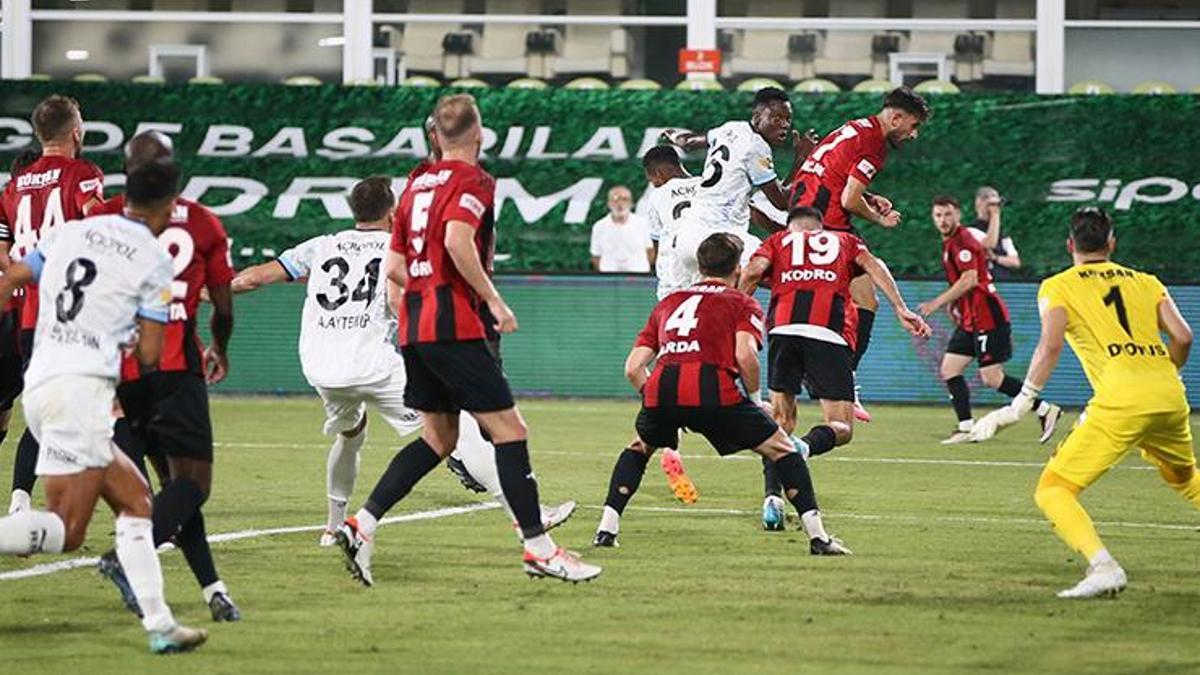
<point>1103,579</point>
<point>564,565</point>
<point>357,550</point>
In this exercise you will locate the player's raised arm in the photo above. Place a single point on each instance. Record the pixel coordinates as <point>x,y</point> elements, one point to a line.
<point>884,281</point>
<point>1177,328</point>
<point>460,244</point>
<point>255,277</point>
<point>752,273</point>
<point>686,140</point>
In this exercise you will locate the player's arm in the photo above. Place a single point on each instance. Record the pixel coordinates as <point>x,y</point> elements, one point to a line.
<point>460,244</point>
<point>855,200</point>
<point>1045,359</point>
<point>991,238</point>
<point>216,356</point>
<point>746,353</point>
<point>18,274</point>
<point>968,280</point>
<point>1177,328</point>
<point>635,366</point>
<point>1011,258</point>
<point>686,140</point>
<point>395,271</point>
<point>255,277</point>
<point>5,257</point>
<point>884,281</point>
<point>149,345</point>
<point>752,273</point>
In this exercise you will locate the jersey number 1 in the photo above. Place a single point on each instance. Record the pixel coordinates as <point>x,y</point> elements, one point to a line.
<point>1114,298</point>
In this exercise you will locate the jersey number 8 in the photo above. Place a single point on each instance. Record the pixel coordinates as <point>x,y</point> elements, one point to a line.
<point>80,274</point>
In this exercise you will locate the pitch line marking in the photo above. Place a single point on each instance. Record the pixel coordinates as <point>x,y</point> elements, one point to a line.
<point>74,563</point>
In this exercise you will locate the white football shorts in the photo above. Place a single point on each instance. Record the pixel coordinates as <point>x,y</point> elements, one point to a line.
<point>685,270</point>
<point>71,416</point>
<point>345,406</point>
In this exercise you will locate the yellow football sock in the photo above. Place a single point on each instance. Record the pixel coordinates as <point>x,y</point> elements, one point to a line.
<point>1057,498</point>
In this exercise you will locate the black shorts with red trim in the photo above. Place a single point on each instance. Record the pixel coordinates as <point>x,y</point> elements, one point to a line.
<point>177,422</point>
<point>446,377</point>
<point>824,368</point>
<point>729,429</point>
<point>989,347</point>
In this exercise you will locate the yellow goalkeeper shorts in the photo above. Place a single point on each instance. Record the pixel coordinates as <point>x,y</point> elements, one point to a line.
<point>1101,438</point>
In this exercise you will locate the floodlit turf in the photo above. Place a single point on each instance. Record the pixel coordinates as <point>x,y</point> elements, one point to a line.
<point>955,570</point>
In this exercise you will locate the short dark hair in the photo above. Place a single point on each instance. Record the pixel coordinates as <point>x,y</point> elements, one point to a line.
<point>805,212</point>
<point>371,198</point>
<point>660,155</point>
<point>719,254</point>
<point>769,95</point>
<point>1091,228</point>
<point>947,200</point>
<point>153,183</point>
<point>54,117</point>
<point>903,98</point>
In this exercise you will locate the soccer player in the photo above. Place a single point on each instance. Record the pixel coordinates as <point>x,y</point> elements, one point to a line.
<point>1112,316</point>
<point>834,180</point>
<point>812,321</point>
<point>450,314</point>
<point>56,187</point>
<point>174,429</point>
<point>102,277</point>
<point>982,331</point>
<point>346,348</point>
<point>706,340</point>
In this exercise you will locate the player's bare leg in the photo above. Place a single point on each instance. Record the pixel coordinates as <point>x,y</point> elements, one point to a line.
<point>953,368</point>
<point>862,293</point>
<point>341,472</point>
<point>792,470</point>
<point>622,485</point>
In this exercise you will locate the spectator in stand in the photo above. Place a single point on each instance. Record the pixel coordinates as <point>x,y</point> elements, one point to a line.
<point>1002,253</point>
<point>621,240</point>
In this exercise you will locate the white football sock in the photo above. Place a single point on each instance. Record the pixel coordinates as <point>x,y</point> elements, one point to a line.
<point>966,425</point>
<point>1043,408</point>
<point>337,513</point>
<point>366,523</point>
<point>610,520</point>
<point>342,466</point>
<point>1102,556</point>
<point>135,550</point>
<point>542,546</point>
<point>29,531</point>
<point>20,501</point>
<point>813,525</point>
<point>212,589</point>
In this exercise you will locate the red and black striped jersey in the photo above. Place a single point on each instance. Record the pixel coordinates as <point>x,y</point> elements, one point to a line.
<point>438,304</point>
<point>810,273</point>
<point>980,309</point>
<point>47,193</point>
<point>199,250</point>
<point>858,148</point>
<point>694,332</point>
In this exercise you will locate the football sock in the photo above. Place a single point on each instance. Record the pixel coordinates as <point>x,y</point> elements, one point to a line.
<point>520,487</point>
<point>175,505</point>
<point>193,541</point>
<point>130,445</point>
<point>610,520</point>
<point>20,501</point>
<point>866,321</point>
<point>408,467</point>
<point>212,589</point>
<point>820,439</point>
<point>814,527</point>
<point>626,477</point>
<point>337,513</point>
<point>1011,386</point>
<point>135,550</point>
<point>771,485</point>
<point>367,523</point>
<point>1102,556</point>
<point>960,396</point>
<point>1058,500</point>
<point>342,470</point>
<point>29,531</point>
<point>797,483</point>
<point>25,464</point>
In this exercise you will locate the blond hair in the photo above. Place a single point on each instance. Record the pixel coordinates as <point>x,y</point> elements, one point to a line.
<point>455,117</point>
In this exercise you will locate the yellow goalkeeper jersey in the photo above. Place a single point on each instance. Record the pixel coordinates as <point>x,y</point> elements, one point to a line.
<point>1112,324</point>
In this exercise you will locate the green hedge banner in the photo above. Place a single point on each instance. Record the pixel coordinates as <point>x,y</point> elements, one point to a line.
<point>275,162</point>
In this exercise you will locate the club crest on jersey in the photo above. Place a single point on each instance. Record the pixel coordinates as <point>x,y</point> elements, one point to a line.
<point>680,347</point>
<point>964,255</point>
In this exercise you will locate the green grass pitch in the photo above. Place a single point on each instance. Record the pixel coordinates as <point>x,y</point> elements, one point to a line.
<point>955,571</point>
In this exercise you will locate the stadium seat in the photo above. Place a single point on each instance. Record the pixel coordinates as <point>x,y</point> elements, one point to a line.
<point>594,49</point>
<point>849,52</point>
<point>470,83</point>
<point>773,52</point>
<point>89,77</point>
<point>756,83</point>
<point>639,84</point>
<point>148,79</point>
<point>206,79</point>
<point>939,41</point>
<point>936,87</point>
<point>1091,87</point>
<point>699,85</point>
<point>502,49</point>
<point>527,83</point>
<point>587,83</point>
<point>422,42</point>
<point>420,81</point>
<point>816,85</point>
<point>302,81</point>
<point>1010,53</point>
<point>1155,87</point>
<point>874,87</point>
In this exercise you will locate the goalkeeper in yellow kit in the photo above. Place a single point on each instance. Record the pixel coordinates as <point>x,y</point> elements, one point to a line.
<point>1112,317</point>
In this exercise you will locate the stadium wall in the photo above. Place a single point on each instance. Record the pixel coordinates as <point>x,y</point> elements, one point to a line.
<point>575,332</point>
<point>275,161</point>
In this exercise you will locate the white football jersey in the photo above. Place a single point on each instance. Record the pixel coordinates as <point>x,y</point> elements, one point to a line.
<point>345,331</point>
<point>95,278</point>
<point>739,160</point>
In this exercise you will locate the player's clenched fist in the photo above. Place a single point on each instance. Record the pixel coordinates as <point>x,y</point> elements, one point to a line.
<point>506,321</point>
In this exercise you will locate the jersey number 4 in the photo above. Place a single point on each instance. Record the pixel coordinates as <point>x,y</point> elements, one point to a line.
<point>25,238</point>
<point>339,269</point>
<point>683,320</point>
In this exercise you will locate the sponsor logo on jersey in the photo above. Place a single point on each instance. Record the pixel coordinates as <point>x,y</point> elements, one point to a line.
<point>680,347</point>
<point>92,185</point>
<point>472,204</point>
<point>808,275</point>
<point>867,168</point>
<point>98,241</point>
<point>428,181</point>
<point>179,213</point>
<point>32,181</point>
